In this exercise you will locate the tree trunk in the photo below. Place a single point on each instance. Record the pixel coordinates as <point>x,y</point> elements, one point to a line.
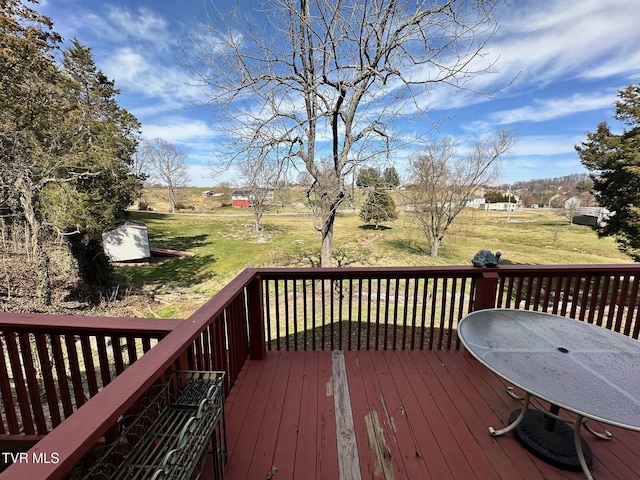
<point>36,247</point>
<point>327,242</point>
<point>43,289</point>
<point>172,199</point>
<point>434,248</point>
<point>329,209</point>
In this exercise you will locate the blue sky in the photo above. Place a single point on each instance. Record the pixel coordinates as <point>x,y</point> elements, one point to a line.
<point>568,58</point>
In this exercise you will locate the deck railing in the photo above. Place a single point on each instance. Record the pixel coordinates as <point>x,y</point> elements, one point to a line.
<point>55,363</point>
<point>419,308</point>
<point>263,309</point>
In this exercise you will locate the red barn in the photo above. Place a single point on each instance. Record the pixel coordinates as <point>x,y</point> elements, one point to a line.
<point>240,198</point>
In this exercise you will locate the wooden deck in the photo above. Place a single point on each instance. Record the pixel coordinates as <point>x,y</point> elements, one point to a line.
<point>416,415</point>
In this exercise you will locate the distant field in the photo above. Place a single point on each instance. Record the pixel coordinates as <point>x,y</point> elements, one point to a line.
<point>224,243</point>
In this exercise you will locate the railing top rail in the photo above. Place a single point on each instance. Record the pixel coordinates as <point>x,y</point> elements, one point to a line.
<point>591,269</point>
<point>364,272</point>
<point>444,270</point>
<point>61,324</point>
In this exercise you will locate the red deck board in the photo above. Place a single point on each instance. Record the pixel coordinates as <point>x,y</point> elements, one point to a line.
<point>438,407</point>
<point>367,399</point>
<point>306,452</point>
<point>422,433</point>
<point>246,422</point>
<point>475,413</point>
<point>262,461</point>
<point>284,456</point>
<point>409,454</point>
<point>435,407</point>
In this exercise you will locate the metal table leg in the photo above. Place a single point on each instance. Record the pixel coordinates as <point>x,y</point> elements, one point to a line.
<point>513,425</point>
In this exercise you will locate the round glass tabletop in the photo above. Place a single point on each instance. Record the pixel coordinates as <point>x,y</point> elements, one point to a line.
<point>583,368</point>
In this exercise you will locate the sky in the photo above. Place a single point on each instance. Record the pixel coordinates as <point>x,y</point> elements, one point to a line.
<point>559,63</point>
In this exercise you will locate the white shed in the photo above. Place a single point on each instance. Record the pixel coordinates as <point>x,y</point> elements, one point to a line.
<point>129,241</point>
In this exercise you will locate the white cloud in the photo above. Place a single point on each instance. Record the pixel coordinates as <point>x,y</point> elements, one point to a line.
<point>143,24</point>
<point>550,108</point>
<point>183,131</point>
<point>546,145</point>
<point>551,40</point>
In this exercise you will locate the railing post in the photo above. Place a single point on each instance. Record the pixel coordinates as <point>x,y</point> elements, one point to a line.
<point>486,290</point>
<point>257,346</point>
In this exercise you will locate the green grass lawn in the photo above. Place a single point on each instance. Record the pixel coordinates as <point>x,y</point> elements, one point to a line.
<point>225,244</point>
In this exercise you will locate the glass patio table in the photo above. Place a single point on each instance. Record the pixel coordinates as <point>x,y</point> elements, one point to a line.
<point>576,366</point>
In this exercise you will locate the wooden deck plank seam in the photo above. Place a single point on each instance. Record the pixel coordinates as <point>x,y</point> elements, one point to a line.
<point>348,459</point>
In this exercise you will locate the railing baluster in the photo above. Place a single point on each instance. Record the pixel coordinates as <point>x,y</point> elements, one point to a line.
<point>305,315</point>
<point>622,302</point>
<point>19,384</point>
<point>314,325</point>
<point>33,385</point>
<point>451,308</point>
<point>359,317</point>
<point>414,312</point>
<point>423,315</point>
<point>404,313</point>
<point>323,306</point>
<point>294,293</point>
<point>349,314</point>
<point>276,307</point>
<point>10,413</point>
<point>89,367</point>
<point>287,317</point>
<point>118,360</point>
<point>132,348</point>
<point>614,302</point>
<point>53,417</point>
<point>633,307</point>
<point>378,294</point>
<point>585,289</point>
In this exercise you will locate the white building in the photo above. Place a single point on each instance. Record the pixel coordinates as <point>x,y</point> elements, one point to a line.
<point>129,241</point>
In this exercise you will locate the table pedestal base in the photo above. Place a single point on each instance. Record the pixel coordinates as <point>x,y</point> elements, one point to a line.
<point>556,446</point>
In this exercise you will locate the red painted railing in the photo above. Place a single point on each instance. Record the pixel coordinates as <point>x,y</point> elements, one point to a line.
<point>261,309</point>
<point>53,364</point>
<point>216,336</point>
<point>419,308</point>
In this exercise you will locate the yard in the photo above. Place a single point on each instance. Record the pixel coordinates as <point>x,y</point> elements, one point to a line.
<point>224,243</point>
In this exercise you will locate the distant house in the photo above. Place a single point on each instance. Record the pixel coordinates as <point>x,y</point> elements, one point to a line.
<point>572,203</point>
<point>128,241</point>
<point>501,206</point>
<point>212,194</point>
<point>245,198</point>
<point>477,202</point>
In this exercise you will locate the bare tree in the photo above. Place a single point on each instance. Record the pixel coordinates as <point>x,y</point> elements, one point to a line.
<point>444,181</point>
<point>168,166</point>
<point>261,176</point>
<point>327,79</point>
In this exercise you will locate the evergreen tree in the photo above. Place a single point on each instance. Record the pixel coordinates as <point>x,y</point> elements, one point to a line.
<point>614,160</point>
<point>391,178</point>
<point>369,177</point>
<point>30,108</point>
<point>378,208</point>
<point>65,144</point>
